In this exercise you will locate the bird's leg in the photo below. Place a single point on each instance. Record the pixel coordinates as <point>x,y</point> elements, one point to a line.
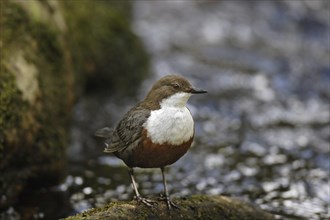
<point>138,197</point>
<point>166,196</point>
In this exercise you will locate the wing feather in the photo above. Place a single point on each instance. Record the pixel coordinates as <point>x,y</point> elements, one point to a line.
<point>128,131</point>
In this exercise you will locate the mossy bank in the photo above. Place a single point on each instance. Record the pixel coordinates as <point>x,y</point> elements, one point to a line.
<point>50,51</point>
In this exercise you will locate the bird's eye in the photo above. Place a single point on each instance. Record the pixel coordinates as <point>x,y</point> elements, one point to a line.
<point>176,85</point>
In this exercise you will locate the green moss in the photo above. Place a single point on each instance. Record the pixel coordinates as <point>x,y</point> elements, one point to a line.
<point>104,47</point>
<point>11,108</point>
<point>33,133</point>
<point>193,207</point>
<point>98,46</point>
<point>54,114</point>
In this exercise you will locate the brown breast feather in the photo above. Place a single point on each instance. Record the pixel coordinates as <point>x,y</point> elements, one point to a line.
<point>150,155</point>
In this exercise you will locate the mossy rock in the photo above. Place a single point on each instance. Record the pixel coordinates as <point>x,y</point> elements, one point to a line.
<point>105,50</point>
<point>43,52</point>
<point>36,98</point>
<point>190,208</point>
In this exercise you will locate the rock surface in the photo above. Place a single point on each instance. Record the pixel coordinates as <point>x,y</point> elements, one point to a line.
<point>193,207</point>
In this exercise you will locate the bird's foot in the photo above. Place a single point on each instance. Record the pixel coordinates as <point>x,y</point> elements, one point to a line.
<point>168,201</point>
<point>145,201</point>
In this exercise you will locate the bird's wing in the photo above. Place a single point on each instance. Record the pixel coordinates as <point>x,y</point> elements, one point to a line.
<point>112,141</point>
<point>127,132</point>
<point>130,127</point>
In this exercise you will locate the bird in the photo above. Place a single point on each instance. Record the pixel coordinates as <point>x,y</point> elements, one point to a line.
<point>156,132</point>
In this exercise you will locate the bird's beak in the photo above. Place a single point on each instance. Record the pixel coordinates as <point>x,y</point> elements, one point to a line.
<point>197,91</point>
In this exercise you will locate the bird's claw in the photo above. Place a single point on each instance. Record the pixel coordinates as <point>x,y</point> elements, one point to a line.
<point>145,201</point>
<point>168,201</point>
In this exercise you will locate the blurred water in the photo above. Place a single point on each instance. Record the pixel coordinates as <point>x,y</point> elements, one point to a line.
<point>262,131</point>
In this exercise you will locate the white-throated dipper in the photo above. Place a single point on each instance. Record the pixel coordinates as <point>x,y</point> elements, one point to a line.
<point>156,132</point>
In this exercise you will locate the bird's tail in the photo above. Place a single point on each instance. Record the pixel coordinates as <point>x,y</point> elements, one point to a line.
<point>104,132</point>
<point>111,139</point>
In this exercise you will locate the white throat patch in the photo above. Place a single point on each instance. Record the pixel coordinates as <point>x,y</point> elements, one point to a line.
<point>177,100</point>
<point>172,123</point>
